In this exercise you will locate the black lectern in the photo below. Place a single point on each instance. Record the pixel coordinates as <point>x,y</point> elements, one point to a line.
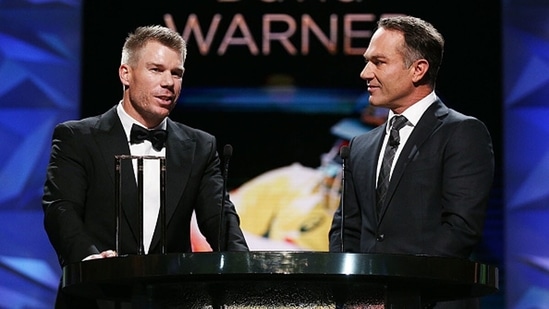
<point>273,279</point>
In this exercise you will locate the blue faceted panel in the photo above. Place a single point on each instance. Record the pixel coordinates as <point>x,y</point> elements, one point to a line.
<point>39,87</point>
<point>526,94</point>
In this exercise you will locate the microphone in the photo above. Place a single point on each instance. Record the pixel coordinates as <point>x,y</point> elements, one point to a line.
<point>227,153</point>
<point>344,154</point>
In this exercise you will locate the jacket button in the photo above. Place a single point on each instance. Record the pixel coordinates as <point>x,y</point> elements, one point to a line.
<point>380,237</point>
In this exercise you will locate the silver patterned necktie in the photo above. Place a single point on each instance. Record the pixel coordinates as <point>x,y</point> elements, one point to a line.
<point>398,122</point>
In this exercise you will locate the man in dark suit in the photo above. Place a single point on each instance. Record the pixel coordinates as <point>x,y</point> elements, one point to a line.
<point>437,186</point>
<point>79,194</point>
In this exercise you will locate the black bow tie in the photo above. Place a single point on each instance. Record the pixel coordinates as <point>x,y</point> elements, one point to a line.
<point>156,137</point>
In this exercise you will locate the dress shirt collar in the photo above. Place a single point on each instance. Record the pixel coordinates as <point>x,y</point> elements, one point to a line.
<point>128,121</point>
<point>415,111</point>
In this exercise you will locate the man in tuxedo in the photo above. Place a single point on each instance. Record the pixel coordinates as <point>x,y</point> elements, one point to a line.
<point>79,193</point>
<point>432,198</point>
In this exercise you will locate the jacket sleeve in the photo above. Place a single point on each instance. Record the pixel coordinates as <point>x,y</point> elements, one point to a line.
<point>64,198</point>
<point>468,170</point>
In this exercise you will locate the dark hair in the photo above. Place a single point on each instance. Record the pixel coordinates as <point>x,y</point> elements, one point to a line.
<point>142,35</point>
<point>422,41</point>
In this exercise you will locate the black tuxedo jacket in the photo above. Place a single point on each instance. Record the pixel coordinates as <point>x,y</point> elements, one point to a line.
<point>79,195</point>
<point>437,196</point>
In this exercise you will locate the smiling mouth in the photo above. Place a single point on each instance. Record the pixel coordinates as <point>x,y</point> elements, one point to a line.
<point>165,99</point>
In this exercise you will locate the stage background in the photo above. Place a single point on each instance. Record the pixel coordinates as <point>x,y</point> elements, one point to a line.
<point>40,76</point>
<point>315,90</point>
<point>276,106</point>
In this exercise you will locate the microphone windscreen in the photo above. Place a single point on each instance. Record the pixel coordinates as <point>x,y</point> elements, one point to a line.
<point>228,150</point>
<point>344,152</point>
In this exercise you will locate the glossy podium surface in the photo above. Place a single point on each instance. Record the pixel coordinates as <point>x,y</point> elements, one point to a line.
<point>271,279</point>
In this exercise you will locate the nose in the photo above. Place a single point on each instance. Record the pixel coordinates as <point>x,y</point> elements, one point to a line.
<point>366,73</point>
<point>167,79</point>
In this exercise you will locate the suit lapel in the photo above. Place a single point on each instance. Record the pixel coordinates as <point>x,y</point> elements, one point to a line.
<point>366,161</point>
<point>112,141</point>
<point>180,149</point>
<point>428,123</point>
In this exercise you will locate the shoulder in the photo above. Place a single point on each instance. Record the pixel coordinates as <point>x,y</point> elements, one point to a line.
<point>87,126</point>
<point>90,122</point>
<point>184,131</point>
<point>81,126</point>
<point>453,118</point>
<point>457,118</point>
<point>369,138</point>
<point>465,129</point>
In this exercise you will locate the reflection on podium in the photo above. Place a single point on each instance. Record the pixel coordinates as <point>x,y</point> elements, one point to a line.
<point>259,279</point>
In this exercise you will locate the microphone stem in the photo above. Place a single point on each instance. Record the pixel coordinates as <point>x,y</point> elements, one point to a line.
<point>342,230</point>
<point>344,154</point>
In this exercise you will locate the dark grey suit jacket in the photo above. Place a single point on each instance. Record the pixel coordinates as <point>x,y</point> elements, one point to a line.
<point>79,193</point>
<point>438,193</point>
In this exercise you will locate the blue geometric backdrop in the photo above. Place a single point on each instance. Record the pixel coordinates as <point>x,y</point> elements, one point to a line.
<point>40,75</point>
<point>39,86</point>
<point>526,93</point>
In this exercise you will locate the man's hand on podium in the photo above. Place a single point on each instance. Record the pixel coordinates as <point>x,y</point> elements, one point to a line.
<point>102,255</point>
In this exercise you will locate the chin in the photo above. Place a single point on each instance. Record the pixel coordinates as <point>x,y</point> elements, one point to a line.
<point>164,110</point>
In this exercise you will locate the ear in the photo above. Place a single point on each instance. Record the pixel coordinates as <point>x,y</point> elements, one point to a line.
<point>420,69</point>
<point>124,74</point>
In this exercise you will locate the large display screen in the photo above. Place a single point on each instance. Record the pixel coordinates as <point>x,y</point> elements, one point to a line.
<point>272,77</point>
<point>279,55</point>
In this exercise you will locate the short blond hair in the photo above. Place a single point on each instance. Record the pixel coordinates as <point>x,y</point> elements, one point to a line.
<point>142,35</point>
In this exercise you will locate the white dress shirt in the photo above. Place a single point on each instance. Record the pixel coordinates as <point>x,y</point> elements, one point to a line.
<point>151,175</point>
<point>413,114</point>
